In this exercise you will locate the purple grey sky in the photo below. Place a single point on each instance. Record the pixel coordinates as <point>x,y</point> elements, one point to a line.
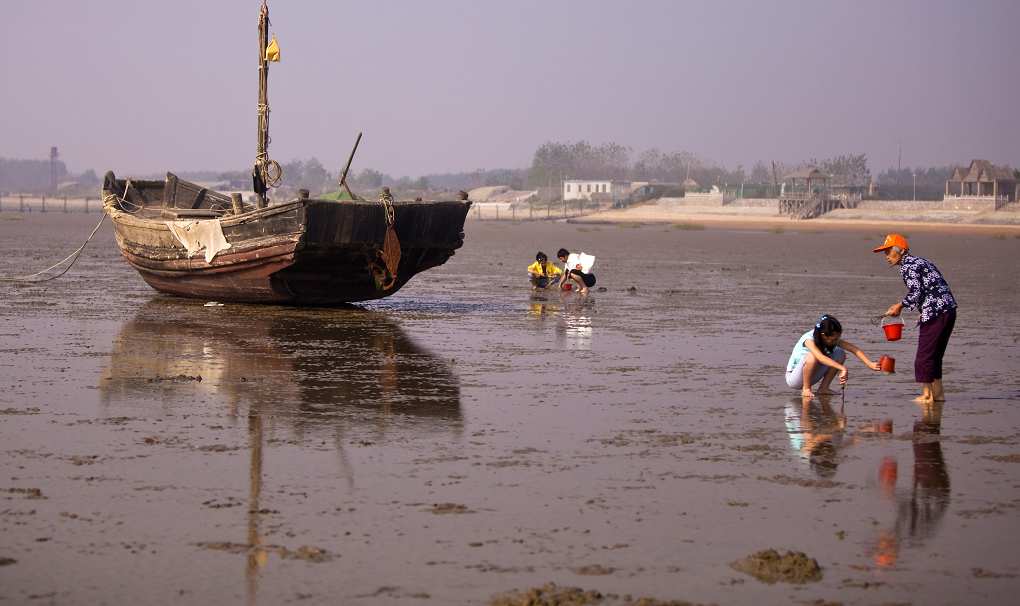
<point>452,85</point>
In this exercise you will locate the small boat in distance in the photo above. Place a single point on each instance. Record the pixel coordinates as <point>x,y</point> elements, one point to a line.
<point>191,241</point>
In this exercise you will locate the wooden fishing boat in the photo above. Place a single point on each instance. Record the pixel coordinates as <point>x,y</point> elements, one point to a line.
<point>194,242</point>
<point>304,251</point>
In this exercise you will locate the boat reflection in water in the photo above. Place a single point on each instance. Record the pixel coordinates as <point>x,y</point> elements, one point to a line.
<point>316,369</point>
<point>347,373</point>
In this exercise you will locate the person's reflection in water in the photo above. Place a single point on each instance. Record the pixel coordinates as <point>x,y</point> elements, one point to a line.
<point>537,309</point>
<point>574,330</point>
<point>816,433</point>
<point>920,510</point>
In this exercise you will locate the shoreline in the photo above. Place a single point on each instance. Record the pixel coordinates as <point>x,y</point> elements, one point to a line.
<point>696,220</point>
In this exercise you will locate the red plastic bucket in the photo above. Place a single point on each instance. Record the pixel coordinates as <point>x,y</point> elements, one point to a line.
<point>893,328</point>
<point>568,286</point>
<point>887,364</point>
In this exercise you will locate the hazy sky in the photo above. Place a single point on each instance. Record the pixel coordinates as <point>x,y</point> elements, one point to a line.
<point>450,85</point>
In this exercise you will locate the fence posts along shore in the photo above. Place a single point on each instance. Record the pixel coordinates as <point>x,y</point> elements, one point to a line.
<point>27,203</point>
<point>508,212</point>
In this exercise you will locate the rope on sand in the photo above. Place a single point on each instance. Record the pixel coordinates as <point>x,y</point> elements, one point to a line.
<point>33,278</point>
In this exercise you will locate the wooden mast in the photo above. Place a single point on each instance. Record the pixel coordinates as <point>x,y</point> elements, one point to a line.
<point>260,174</point>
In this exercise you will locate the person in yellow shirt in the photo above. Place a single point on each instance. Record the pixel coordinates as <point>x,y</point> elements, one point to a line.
<point>542,273</point>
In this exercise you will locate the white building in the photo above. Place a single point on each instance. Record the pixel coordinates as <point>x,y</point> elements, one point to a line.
<point>579,189</point>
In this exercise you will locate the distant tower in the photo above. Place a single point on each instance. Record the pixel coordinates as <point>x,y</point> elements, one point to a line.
<point>53,168</point>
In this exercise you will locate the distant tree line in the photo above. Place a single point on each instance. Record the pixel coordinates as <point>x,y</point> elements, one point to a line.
<point>850,170</point>
<point>899,184</point>
<point>555,161</point>
<point>551,163</point>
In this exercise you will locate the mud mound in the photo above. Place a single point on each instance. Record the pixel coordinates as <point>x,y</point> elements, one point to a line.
<point>770,567</point>
<point>552,594</point>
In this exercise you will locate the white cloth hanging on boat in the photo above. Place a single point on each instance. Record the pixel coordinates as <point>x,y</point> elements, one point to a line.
<point>196,235</point>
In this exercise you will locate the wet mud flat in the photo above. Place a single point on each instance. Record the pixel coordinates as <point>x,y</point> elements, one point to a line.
<point>466,442</point>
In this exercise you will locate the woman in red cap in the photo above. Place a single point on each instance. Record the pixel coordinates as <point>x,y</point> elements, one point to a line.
<point>928,292</point>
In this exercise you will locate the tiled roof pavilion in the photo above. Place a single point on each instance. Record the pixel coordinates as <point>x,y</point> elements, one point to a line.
<point>982,179</point>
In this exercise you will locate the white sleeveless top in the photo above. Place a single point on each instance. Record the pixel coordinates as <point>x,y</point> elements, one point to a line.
<point>800,350</point>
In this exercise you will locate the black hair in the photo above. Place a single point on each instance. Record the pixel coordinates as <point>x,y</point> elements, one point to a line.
<point>828,326</point>
<point>541,257</point>
<point>563,253</point>
<point>823,459</point>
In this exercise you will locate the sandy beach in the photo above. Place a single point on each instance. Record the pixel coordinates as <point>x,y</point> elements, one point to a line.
<point>740,217</point>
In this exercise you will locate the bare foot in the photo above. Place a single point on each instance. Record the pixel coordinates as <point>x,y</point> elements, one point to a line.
<point>924,399</point>
<point>806,393</point>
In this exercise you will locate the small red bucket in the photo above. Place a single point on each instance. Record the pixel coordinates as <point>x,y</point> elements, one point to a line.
<point>893,328</point>
<point>887,364</point>
<point>568,286</point>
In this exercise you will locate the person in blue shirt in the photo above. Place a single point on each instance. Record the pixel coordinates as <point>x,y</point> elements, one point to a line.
<point>929,293</point>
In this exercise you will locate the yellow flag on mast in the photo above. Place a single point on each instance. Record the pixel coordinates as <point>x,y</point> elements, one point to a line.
<point>273,51</point>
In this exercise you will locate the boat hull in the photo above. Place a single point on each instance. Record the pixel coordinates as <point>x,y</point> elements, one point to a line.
<point>305,252</point>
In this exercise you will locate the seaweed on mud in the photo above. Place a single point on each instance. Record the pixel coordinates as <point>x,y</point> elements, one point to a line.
<point>981,573</point>
<point>181,378</point>
<point>30,493</point>
<point>1010,458</point>
<point>769,566</point>
<point>994,509</point>
<point>683,225</point>
<point>981,440</point>
<point>445,508</point>
<point>552,594</point>
<point>83,459</point>
<point>487,567</point>
<point>650,437</point>
<point>791,481</point>
<point>393,591</point>
<point>217,448</point>
<point>307,553</point>
<point>19,411</point>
